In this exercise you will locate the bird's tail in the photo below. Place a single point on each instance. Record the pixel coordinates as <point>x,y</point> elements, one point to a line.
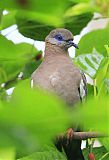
<point>72,148</point>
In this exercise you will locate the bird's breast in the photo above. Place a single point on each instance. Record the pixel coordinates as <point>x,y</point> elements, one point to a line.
<point>59,76</point>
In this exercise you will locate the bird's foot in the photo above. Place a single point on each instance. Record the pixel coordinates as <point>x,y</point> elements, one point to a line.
<point>69,135</point>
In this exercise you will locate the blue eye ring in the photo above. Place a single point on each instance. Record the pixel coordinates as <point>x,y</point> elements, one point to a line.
<point>58,37</point>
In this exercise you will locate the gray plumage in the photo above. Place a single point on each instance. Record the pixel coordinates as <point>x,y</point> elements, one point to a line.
<point>57,73</point>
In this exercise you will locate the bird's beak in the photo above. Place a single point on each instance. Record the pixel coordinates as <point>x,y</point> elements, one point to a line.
<point>70,43</point>
<point>75,45</point>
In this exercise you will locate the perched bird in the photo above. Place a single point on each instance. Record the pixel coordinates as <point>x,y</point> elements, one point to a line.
<point>58,74</point>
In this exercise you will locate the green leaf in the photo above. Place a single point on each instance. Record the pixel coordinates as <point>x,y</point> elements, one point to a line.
<point>39,17</point>
<point>107,49</point>
<point>94,114</point>
<point>1,105</point>
<point>7,153</point>
<point>104,86</point>
<point>95,39</point>
<point>97,151</point>
<point>30,67</point>
<point>39,6</point>
<point>3,94</point>
<point>102,70</point>
<point>13,51</point>
<point>1,14</point>
<point>79,1</point>
<point>13,57</point>
<point>105,142</point>
<point>26,51</point>
<point>4,4</point>
<point>39,9</point>
<point>76,23</point>
<point>30,27</point>
<point>33,117</point>
<point>80,8</point>
<point>36,22</point>
<point>90,89</point>
<point>50,154</point>
<point>89,63</point>
<point>19,138</point>
<point>8,20</point>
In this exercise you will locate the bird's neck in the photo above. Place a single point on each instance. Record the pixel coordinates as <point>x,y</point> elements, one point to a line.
<point>53,50</point>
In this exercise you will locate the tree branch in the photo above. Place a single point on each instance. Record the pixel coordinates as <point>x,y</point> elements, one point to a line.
<point>86,135</point>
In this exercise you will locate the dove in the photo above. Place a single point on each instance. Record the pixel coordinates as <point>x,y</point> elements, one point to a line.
<point>58,74</point>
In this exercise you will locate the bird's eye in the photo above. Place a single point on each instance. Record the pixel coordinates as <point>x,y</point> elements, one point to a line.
<point>59,37</point>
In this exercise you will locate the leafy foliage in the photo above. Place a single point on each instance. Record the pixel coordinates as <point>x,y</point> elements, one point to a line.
<point>94,39</point>
<point>99,153</point>
<point>50,154</point>
<point>14,58</point>
<point>25,119</point>
<point>89,63</point>
<point>29,120</point>
<point>36,24</point>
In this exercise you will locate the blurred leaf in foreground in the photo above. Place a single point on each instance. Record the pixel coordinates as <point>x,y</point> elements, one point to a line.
<point>79,8</point>
<point>94,114</point>
<point>7,153</point>
<point>50,154</point>
<point>33,117</point>
<point>13,57</point>
<point>39,9</point>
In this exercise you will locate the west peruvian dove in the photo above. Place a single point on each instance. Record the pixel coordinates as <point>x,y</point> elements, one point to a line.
<point>58,74</point>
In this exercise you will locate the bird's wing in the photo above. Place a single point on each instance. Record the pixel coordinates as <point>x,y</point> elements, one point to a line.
<point>65,83</point>
<point>83,87</point>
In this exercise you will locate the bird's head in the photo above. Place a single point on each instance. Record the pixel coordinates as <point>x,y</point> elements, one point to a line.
<point>61,37</point>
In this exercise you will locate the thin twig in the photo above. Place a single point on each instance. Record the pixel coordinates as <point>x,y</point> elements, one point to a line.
<point>104,156</point>
<point>86,135</point>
